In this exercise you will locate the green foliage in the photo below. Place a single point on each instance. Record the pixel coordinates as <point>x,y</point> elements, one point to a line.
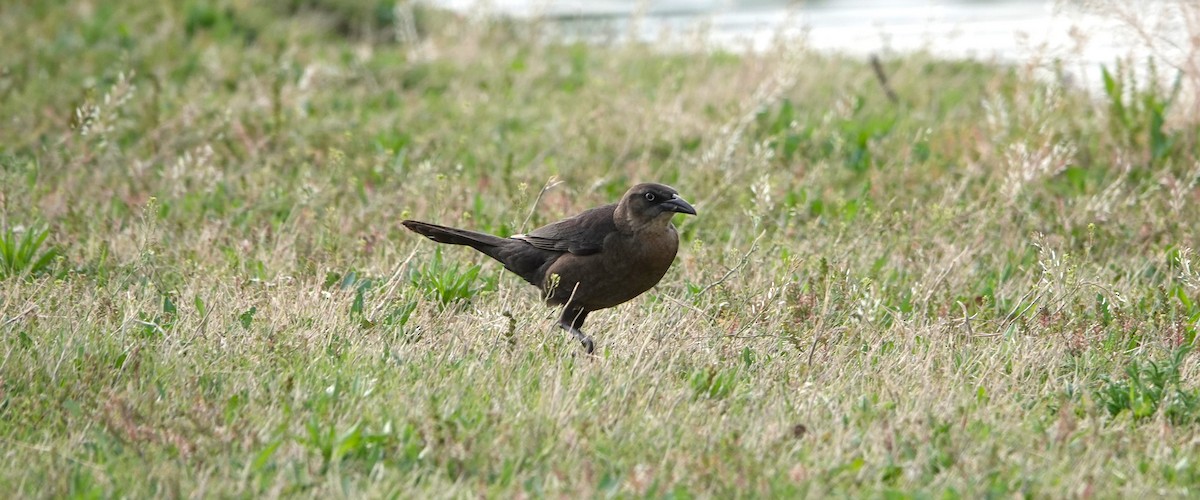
<point>246,318</point>
<point>1137,111</point>
<point>23,252</point>
<point>449,283</point>
<point>353,282</point>
<point>713,382</point>
<point>793,136</point>
<point>158,324</point>
<point>355,443</point>
<point>1149,388</point>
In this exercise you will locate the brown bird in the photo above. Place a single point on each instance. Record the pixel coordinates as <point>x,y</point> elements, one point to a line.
<point>595,260</point>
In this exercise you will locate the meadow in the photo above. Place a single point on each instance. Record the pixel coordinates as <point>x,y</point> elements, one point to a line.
<point>986,287</point>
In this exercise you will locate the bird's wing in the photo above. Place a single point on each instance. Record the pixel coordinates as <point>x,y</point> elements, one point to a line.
<point>582,234</point>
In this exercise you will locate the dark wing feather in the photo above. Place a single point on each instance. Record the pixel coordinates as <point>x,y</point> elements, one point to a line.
<point>582,234</point>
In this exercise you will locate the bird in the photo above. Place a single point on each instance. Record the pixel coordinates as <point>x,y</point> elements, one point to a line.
<point>600,258</point>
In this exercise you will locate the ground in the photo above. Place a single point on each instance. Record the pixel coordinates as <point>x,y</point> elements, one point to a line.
<point>986,287</point>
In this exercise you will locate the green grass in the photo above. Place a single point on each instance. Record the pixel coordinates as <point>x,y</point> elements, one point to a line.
<point>22,252</point>
<point>986,289</point>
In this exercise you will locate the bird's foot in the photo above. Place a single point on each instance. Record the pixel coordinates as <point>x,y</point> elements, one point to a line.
<point>588,345</point>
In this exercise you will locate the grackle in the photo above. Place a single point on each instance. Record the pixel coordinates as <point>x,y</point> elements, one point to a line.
<point>595,260</point>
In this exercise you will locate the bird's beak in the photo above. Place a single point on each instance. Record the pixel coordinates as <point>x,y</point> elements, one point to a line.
<point>680,205</point>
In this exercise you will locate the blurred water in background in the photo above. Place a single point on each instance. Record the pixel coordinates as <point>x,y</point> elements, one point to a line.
<point>1061,39</point>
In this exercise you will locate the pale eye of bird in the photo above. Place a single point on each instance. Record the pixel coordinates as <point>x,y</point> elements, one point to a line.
<point>650,197</point>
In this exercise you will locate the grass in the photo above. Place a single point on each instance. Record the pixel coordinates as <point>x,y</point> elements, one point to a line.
<point>985,289</point>
<point>22,252</point>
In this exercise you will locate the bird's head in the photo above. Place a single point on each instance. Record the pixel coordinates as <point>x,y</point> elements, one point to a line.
<point>649,202</point>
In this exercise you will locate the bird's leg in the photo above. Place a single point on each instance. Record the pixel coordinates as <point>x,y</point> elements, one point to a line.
<point>571,321</point>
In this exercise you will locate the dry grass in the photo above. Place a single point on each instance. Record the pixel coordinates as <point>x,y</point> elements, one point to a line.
<point>986,289</point>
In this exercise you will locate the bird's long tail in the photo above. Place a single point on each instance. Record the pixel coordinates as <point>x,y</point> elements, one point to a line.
<point>516,255</point>
<point>454,236</point>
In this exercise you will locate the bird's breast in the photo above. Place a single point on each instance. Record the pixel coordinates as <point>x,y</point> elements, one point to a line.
<point>642,260</point>
<point>628,265</point>
<point>644,253</point>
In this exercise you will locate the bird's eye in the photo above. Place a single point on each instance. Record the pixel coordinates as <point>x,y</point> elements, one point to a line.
<point>650,197</point>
